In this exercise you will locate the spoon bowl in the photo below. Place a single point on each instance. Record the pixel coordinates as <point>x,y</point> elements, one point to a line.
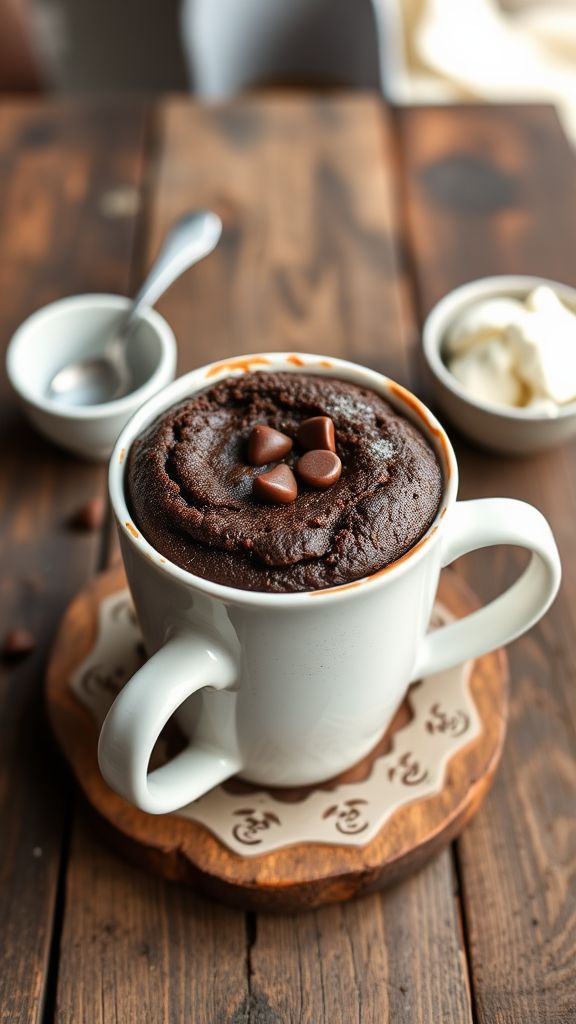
<point>91,382</point>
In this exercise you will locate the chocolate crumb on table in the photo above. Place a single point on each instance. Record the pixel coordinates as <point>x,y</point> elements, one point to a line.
<point>17,642</point>
<point>90,516</point>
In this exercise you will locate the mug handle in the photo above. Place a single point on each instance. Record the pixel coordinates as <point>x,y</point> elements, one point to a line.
<point>484,523</point>
<point>185,664</point>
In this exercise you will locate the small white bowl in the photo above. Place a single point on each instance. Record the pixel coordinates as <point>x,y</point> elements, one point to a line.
<point>71,329</point>
<point>508,430</point>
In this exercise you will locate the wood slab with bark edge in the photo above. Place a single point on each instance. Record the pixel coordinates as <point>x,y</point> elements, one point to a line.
<point>302,875</point>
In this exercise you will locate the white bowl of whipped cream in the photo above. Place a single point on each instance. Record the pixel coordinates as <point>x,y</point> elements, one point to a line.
<point>502,355</point>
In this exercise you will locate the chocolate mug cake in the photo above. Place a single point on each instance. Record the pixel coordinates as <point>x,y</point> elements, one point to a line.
<point>283,482</point>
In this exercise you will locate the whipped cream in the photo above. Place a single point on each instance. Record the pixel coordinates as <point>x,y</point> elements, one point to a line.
<point>516,353</point>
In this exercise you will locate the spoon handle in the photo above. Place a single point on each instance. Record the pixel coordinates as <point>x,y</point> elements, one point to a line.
<point>190,239</point>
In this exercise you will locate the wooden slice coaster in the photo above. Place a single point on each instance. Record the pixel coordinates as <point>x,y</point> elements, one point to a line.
<point>287,849</point>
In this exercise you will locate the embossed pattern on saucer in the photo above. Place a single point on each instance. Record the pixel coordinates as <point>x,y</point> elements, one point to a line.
<point>445,719</point>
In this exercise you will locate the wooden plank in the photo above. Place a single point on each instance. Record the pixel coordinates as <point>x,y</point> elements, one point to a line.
<point>174,956</point>
<point>307,191</point>
<point>309,261</point>
<point>136,948</point>
<point>58,170</point>
<point>391,957</point>
<point>489,190</point>
<point>494,191</point>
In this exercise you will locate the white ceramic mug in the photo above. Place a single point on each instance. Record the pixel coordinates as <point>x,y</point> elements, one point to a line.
<point>291,689</point>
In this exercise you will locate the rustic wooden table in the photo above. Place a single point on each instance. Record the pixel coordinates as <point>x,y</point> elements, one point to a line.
<point>344,223</point>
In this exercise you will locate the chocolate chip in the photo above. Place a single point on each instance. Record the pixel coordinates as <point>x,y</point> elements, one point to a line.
<point>267,445</point>
<point>317,433</point>
<point>90,516</point>
<point>277,486</point>
<point>17,643</point>
<point>319,469</point>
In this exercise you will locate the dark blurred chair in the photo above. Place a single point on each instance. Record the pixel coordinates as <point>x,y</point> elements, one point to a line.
<point>233,45</point>
<point>20,69</point>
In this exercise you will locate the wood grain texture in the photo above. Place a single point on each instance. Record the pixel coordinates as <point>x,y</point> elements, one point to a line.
<point>136,948</point>
<point>494,191</point>
<point>392,957</point>
<point>488,191</point>
<point>308,261</point>
<point>56,168</point>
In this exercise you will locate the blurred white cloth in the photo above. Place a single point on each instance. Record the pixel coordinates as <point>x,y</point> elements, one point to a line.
<point>476,49</point>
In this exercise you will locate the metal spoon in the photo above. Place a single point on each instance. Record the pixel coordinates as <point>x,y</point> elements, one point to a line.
<point>107,377</point>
